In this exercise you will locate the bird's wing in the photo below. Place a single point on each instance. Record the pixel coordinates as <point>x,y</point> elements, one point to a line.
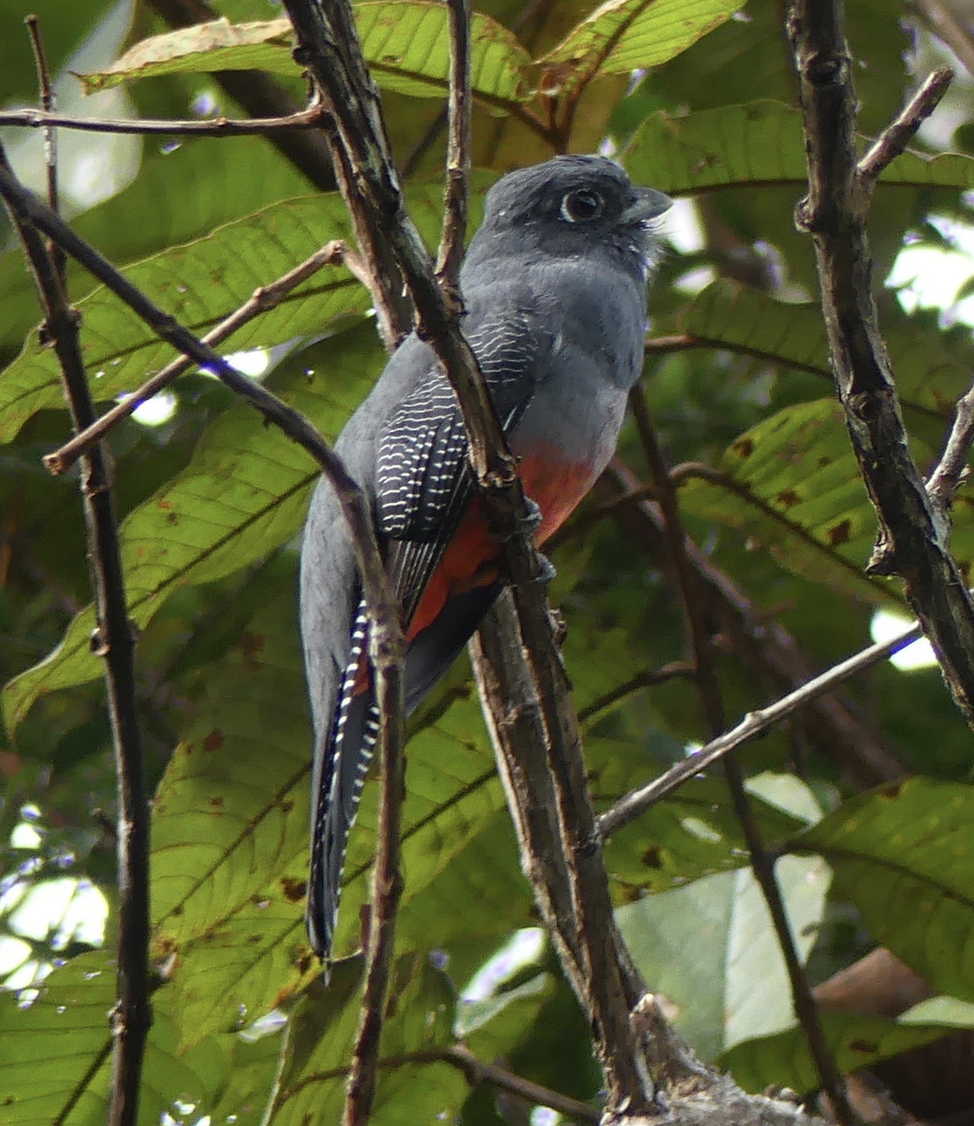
<point>423,480</point>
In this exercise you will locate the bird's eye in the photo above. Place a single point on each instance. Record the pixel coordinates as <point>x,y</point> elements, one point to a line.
<point>581,205</point>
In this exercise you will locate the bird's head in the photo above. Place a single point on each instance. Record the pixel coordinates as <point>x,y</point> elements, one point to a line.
<point>570,206</point>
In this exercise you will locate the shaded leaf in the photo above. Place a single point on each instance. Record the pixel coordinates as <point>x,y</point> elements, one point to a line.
<point>903,856</point>
<point>853,1041</point>
<point>791,484</point>
<point>754,144</point>
<point>57,1052</point>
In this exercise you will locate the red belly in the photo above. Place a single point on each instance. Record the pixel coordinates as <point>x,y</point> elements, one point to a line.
<point>471,557</point>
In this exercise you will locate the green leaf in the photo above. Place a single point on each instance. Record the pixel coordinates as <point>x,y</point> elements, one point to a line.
<point>853,1041</point>
<point>791,485</point>
<point>733,316</point>
<point>710,949</point>
<point>245,493</point>
<point>406,44</point>
<point>755,144</point>
<point>57,1052</point>
<point>903,856</point>
<point>231,179</point>
<point>311,1082</point>
<point>200,284</point>
<point>626,35</point>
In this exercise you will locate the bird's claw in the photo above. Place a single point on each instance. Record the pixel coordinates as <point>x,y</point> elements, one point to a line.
<point>546,570</point>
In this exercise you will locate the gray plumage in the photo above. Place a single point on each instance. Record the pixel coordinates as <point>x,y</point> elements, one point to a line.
<point>554,286</point>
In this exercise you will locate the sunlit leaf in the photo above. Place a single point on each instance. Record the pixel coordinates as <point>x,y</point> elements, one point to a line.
<point>406,43</point>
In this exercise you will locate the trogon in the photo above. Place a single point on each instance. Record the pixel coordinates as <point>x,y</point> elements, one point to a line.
<point>554,285</point>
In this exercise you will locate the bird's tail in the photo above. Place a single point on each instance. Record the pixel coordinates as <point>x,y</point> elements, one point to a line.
<point>346,752</point>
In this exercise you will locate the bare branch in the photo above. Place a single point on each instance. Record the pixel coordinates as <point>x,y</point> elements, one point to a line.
<point>264,298</point>
<point>114,640</point>
<point>913,534</point>
<point>753,725</point>
<point>945,25</point>
<point>762,864</point>
<point>261,96</point>
<point>309,118</point>
<point>901,130</point>
<point>450,254</point>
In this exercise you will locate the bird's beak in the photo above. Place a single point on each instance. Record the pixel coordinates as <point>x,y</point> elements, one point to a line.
<point>648,204</point>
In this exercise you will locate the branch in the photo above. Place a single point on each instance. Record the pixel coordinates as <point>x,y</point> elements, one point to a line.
<point>450,254</point>
<point>261,97</point>
<point>913,534</point>
<point>943,23</point>
<point>264,298</point>
<point>309,118</point>
<point>754,724</point>
<point>329,48</point>
<point>114,640</point>
<point>708,685</point>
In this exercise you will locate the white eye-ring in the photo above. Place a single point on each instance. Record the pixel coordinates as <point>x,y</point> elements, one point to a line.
<point>581,205</point>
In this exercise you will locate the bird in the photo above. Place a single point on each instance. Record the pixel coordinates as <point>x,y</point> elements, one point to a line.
<point>554,292</point>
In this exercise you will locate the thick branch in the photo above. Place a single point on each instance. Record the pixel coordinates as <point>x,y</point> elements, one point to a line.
<point>913,535</point>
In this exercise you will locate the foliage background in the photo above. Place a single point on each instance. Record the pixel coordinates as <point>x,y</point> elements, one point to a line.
<point>213,502</point>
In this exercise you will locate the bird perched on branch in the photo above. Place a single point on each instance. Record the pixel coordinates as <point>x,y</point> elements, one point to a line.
<point>554,285</point>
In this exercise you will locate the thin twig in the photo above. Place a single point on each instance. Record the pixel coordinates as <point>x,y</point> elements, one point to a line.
<point>952,469</point>
<point>649,679</point>
<point>47,104</point>
<point>754,724</point>
<point>114,640</point>
<point>478,1071</point>
<point>901,130</point>
<point>262,299</point>
<point>260,96</point>
<point>309,118</point>
<point>450,254</point>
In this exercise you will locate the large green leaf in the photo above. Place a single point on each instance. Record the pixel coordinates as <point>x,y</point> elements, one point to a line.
<point>406,44</point>
<point>231,178</point>
<point>710,947</point>
<point>903,855</point>
<point>311,1082</point>
<point>244,494</point>
<point>200,284</point>
<point>625,35</point>
<point>853,1041</point>
<point>791,485</point>
<point>756,144</point>
<point>56,1054</point>
<point>733,316</point>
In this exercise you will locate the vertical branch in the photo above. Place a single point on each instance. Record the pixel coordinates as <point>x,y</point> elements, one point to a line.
<point>913,534</point>
<point>450,254</point>
<point>711,699</point>
<point>115,642</point>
